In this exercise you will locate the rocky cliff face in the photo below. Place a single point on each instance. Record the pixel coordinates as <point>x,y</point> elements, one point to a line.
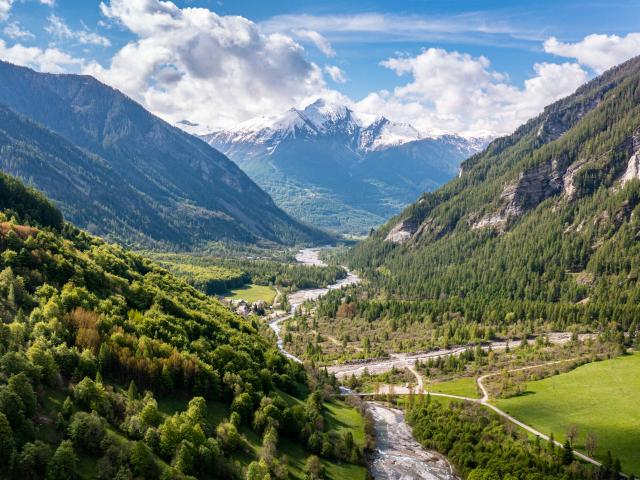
<point>532,188</point>
<point>401,232</point>
<point>633,165</point>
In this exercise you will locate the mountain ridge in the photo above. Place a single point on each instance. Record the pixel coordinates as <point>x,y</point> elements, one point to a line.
<point>376,168</point>
<point>179,190</point>
<point>544,220</point>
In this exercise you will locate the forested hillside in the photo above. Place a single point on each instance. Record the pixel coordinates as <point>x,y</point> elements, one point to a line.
<point>111,367</point>
<point>543,225</point>
<point>119,172</point>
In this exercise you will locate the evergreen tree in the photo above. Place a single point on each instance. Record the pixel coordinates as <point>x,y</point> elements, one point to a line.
<point>63,464</point>
<point>567,453</point>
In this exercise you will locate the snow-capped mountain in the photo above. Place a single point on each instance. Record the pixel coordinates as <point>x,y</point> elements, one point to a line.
<point>326,119</point>
<point>330,168</point>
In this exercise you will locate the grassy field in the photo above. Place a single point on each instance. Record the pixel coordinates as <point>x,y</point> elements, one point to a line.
<point>253,293</point>
<point>465,386</point>
<point>339,417</point>
<point>600,398</point>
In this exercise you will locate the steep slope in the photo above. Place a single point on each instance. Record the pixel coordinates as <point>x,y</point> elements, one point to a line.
<point>111,367</point>
<point>323,165</point>
<point>548,214</point>
<point>123,173</point>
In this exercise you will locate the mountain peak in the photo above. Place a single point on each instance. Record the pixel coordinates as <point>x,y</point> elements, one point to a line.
<point>323,119</point>
<point>322,113</point>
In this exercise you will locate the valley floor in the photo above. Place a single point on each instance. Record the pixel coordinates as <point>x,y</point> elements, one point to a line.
<point>598,398</point>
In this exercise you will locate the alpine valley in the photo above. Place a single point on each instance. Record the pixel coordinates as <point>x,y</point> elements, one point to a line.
<point>327,167</point>
<point>342,291</point>
<point>120,172</point>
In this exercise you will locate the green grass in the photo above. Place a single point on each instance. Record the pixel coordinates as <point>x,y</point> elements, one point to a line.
<point>344,471</point>
<point>464,386</point>
<point>601,398</point>
<point>253,293</point>
<point>340,417</point>
<point>297,457</point>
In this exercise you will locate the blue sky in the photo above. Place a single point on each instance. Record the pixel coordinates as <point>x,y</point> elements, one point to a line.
<point>204,64</point>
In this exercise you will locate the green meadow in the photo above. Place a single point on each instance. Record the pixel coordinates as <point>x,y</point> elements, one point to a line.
<point>253,293</point>
<point>599,398</point>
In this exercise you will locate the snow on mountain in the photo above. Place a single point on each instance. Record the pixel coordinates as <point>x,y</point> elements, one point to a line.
<point>323,118</point>
<point>383,133</point>
<point>336,169</point>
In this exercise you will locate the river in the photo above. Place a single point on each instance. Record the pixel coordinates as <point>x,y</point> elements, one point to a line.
<point>307,256</point>
<point>398,455</point>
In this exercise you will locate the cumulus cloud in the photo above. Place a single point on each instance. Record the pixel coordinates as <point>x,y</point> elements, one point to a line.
<point>5,8</point>
<point>336,73</point>
<point>599,52</point>
<point>57,28</point>
<point>456,92</point>
<point>14,30</point>
<point>190,63</point>
<point>318,40</point>
<point>45,60</point>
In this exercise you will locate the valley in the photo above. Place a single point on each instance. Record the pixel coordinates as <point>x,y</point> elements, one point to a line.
<point>324,165</point>
<point>397,455</point>
<point>281,241</point>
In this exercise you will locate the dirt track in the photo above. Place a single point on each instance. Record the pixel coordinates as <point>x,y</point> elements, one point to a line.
<point>408,360</point>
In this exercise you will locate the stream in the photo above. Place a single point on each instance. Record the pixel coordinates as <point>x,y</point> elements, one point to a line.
<point>398,455</point>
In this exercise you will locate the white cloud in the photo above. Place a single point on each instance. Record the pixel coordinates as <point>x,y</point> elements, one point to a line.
<point>213,70</point>
<point>455,92</point>
<point>5,8</point>
<point>400,27</point>
<point>318,40</point>
<point>45,60</point>
<point>15,31</point>
<point>336,73</point>
<point>599,52</point>
<point>59,29</point>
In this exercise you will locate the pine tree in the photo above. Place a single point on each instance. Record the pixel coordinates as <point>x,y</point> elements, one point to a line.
<point>63,463</point>
<point>132,393</point>
<point>567,453</point>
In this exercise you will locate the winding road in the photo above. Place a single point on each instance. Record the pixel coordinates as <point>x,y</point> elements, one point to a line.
<point>482,401</point>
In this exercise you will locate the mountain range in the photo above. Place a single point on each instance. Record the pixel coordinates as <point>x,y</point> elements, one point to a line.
<point>120,172</point>
<point>328,167</point>
<point>543,224</point>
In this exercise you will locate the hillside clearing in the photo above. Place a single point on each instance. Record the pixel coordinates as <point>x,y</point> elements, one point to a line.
<point>253,293</point>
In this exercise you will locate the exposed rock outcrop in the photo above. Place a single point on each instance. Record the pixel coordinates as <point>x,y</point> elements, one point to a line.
<point>556,122</point>
<point>633,165</point>
<point>532,187</point>
<point>401,232</point>
<point>569,189</point>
